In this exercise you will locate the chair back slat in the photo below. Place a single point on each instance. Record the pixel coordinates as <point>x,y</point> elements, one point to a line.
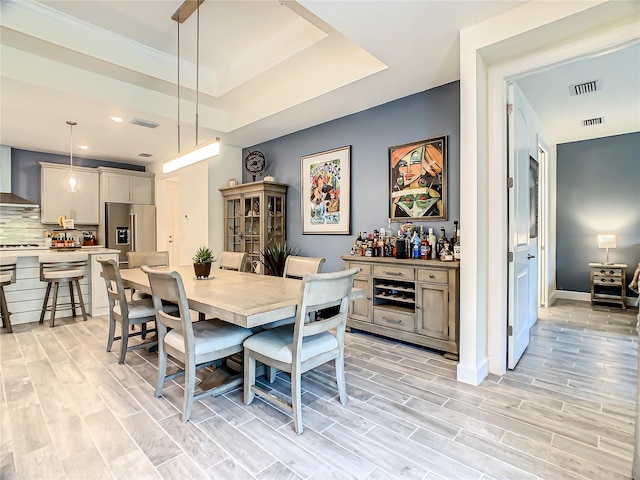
<point>167,285</point>
<point>238,261</point>
<point>8,266</point>
<point>114,285</point>
<point>150,258</point>
<point>298,267</point>
<point>51,263</point>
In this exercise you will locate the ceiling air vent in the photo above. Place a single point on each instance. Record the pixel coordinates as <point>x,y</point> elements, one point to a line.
<point>145,155</point>
<point>144,123</point>
<point>592,121</point>
<point>586,87</point>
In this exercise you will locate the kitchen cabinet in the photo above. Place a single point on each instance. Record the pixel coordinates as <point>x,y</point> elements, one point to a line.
<point>125,186</point>
<point>412,300</point>
<point>254,217</point>
<point>82,205</point>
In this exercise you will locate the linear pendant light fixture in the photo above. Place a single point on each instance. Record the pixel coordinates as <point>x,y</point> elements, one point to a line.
<point>207,149</point>
<point>71,181</point>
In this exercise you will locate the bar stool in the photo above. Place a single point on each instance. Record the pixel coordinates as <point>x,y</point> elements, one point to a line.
<point>7,277</point>
<point>62,267</point>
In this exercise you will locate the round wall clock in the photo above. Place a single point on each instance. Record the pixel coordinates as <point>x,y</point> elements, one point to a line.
<point>254,163</point>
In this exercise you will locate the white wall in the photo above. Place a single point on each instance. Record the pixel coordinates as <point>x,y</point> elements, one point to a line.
<point>510,39</point>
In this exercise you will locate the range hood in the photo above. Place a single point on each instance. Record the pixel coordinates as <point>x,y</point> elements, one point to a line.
<point>8,199</point>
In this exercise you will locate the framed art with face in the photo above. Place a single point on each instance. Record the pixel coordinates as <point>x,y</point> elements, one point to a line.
<point>418,180</point>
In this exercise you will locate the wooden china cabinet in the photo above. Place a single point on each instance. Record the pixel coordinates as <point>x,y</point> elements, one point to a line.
<point>254,217</point>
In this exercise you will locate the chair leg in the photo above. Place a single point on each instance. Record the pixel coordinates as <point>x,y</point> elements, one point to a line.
<point>46,301</point>
<point>112,331</point>
<point>73,300</point>
<point>271,373</point>
<point>342,386</point>
<point>162,371</point>
<point>6,315</point>
<point>249,366</point>
<point>189,389</point>
<point>124,341</point>
<point>143,326</point>
<point>84,311</point>
<point>53,304</point>
<point>296,400</point>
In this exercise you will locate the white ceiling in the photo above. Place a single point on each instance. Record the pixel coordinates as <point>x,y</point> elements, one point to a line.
<point>267,68</point>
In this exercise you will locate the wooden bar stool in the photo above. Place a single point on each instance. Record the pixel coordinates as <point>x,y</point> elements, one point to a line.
<point>62,267</point>
<point>7,277</point>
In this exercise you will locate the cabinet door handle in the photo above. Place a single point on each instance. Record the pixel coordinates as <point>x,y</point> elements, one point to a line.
<point>392,273</point>
<point>431,275</point>
<point>418,307</point>
<point>368,298</point>
<point>392,320</point>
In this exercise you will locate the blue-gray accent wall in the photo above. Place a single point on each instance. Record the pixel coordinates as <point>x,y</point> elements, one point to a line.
<point>429,114</point>
<point>25,170</point>
<point>598,191</point>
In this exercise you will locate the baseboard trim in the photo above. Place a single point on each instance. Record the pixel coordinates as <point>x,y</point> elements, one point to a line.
<point>584,297</point>
<point>473,375</point>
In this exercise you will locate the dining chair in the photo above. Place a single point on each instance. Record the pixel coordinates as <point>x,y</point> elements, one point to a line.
<point>194,344</point>
<point>126,313</point>
<point>238,261</point>
<point>306,344</point>
<point>8,265</point>
<point>56,268</point>
<point>150,258</point>
<point>298,267</point>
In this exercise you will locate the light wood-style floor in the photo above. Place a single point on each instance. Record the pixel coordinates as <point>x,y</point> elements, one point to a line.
<point>68,410</point>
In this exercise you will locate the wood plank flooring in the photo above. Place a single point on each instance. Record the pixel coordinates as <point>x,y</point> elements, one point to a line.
<point>68,410</point>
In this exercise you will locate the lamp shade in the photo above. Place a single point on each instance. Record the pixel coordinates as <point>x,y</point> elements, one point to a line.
<point>607,241</point>
<point>197,154</point>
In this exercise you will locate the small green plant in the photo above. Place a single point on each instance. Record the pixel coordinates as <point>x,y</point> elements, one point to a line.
<point>204,255</point>
<point>274,257</point>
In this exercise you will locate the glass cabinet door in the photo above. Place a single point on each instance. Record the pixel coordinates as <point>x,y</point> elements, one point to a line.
<point>233,234</point>
<point>275,219</point>
<point>252,233</point>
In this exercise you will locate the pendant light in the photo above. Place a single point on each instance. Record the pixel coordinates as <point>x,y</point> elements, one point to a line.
<point>208,149</point>
<point>71,181</point>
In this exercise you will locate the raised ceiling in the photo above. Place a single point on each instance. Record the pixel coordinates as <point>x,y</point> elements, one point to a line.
<point>267,68</point>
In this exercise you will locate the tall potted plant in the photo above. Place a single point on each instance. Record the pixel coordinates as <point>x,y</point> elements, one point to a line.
<point>274,257</point>
<point>202,261</point>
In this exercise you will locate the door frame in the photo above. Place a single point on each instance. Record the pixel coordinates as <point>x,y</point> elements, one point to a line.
<point>497,77</point>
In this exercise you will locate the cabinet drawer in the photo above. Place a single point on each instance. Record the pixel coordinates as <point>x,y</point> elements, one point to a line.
<point>388,318</point>
<point>607,272</point>
<point>433,275</point>
<point>391,271</point>
<point>606,280</point>
<point>365,268</point>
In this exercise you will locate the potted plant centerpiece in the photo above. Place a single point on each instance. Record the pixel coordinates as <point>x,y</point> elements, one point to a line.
<point>275,256</point>
<point>202,261</point>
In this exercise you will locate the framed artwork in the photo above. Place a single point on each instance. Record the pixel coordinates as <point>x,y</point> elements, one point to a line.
<point>326,192</point>
<point>418,180</point>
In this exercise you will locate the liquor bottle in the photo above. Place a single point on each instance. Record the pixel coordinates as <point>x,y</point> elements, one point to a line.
<point>441,241</point>
<point>432,242</point>
<point>445,253</point>
<point>456,248</point>
<point>454,238</point>
<point>415,244</point>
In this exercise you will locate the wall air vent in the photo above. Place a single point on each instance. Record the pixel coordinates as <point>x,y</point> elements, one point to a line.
<point>144,123</point>
<point>586,87</point>
<point>145,155</point>
<point>592,121</point>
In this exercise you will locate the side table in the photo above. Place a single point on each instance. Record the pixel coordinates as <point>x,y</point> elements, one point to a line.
<point>613,277</point>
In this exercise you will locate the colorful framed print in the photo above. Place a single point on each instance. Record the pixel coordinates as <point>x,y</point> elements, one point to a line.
<point>418,180</point>
<point>326,191</point>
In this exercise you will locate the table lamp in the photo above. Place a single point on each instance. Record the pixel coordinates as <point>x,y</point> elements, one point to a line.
<point>607,241</point>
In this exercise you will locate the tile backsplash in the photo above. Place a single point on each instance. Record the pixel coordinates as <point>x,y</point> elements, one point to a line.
<point>22,225</point>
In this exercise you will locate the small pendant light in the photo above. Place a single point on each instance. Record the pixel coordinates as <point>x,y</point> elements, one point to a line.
<point>71,181</point>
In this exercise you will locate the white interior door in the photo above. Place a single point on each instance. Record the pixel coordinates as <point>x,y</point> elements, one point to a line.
<point>519,308</point>
<point>168,204</point>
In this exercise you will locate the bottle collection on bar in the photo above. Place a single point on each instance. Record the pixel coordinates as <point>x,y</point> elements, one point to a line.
<point>411,241</point>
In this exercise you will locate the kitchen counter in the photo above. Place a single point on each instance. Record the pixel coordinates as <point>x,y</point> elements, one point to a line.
<point>25,297</point>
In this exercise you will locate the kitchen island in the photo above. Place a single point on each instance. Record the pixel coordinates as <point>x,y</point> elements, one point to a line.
<point>25,297</point>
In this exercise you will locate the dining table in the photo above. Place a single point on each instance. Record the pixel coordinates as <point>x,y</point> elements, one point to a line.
<point>246,299</point>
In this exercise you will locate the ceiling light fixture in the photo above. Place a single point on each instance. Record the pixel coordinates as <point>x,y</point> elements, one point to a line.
<point>116,119</point>
<point>71,181</point>
<point>208,149</point>
<point>83,147</point>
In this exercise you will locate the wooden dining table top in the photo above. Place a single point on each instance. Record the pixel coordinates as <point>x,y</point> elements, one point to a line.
<point>245,299</point>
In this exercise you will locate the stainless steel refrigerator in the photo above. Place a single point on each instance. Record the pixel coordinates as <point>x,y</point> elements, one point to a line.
<point>130,228</point>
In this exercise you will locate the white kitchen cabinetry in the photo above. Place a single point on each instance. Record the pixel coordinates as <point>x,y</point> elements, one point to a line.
<point>82,206</point>
<point>126,186</point>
